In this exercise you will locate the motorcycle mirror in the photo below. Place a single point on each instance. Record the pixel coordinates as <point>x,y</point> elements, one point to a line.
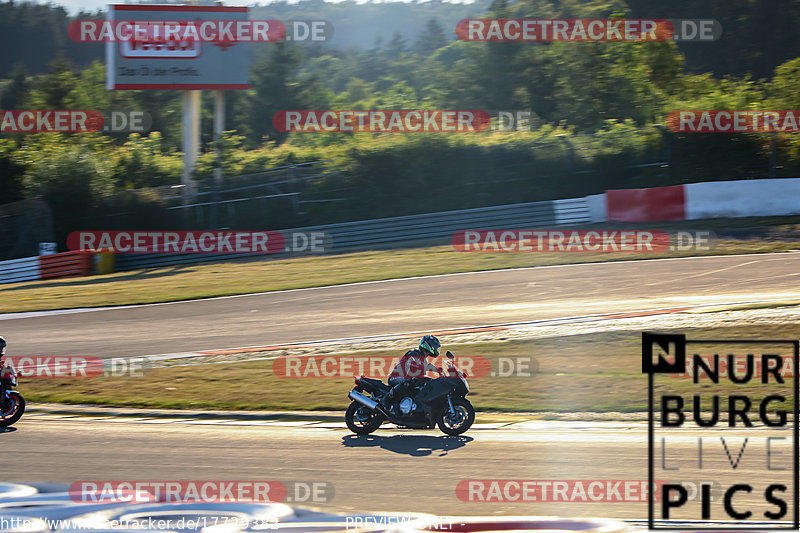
<point>450,355</point>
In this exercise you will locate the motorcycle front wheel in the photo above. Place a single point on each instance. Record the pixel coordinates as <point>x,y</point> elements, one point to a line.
<point>12,409</point>
<point>460,422</point>
<point>361,420</point>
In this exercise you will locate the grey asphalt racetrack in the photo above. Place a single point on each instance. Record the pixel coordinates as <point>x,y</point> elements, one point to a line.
<point>392,470</point>
<point>406,305</point>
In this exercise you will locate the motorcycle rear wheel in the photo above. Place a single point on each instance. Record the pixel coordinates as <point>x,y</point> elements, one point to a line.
<point>10,414</point>
<point>360,420</point>
<point>466,416</point>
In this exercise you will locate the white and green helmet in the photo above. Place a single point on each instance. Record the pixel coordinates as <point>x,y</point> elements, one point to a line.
<point>430,343</point>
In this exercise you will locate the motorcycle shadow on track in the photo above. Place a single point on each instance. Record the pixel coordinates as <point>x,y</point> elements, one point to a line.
<point>7,430</point>
<point>413,445</point>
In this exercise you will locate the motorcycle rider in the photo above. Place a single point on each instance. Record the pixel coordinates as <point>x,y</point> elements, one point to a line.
<point>410,368</point>
<point>4,370</point>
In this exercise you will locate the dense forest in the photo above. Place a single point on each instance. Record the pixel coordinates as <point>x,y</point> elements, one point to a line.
<point>594,106</point>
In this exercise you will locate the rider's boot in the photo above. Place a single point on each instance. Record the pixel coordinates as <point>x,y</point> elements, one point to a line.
<point>428,414</point>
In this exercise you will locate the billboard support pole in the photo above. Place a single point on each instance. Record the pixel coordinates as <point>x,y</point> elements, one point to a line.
<point>191,138</point>
<point>219,127</point>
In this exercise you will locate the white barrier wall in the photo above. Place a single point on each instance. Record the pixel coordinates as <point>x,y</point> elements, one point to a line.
<point>743,198</point>
<point>597,207</point>
<point>15,270</point>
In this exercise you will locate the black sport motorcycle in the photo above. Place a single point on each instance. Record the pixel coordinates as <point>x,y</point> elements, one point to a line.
<point>12,404</point>
<point>421,405</point>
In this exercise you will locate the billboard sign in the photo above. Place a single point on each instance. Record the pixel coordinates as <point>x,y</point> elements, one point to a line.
<point>151,60</point>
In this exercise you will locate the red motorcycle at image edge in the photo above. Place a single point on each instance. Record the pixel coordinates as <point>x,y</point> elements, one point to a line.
<point>12,404</point>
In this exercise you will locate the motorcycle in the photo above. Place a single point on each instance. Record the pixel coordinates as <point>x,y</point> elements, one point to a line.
<point>12,404</point>
<point>432,402</point>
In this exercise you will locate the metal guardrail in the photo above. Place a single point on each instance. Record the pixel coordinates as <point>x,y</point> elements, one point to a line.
<point>24,269</point>
<point>396,232</point>
<point>572,211</point>
<point>66,264</point>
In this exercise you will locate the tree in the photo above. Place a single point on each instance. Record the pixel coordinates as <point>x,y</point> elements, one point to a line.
<point>10,172</point>
<point>357,90</point>
<point>14,93</point>
<point>430,39</point>
<point>784,90</point>
<point>53,88</point>
<point>397,47</point>
<point>73,175</point>
<point>273,89</point>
